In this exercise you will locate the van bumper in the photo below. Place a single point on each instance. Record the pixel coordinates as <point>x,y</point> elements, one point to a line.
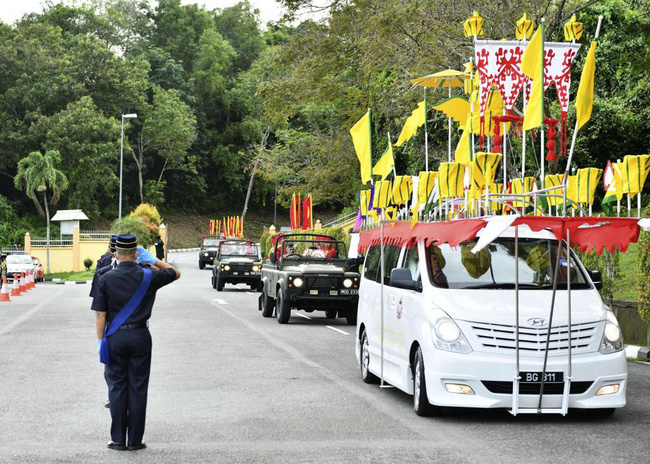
<point>493,376</point>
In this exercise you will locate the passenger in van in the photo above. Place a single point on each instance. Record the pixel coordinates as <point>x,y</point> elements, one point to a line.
<point>330,251</point>
<point>436,264</point>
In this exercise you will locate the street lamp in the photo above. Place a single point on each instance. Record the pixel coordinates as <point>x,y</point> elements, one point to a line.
<point>124,116</point>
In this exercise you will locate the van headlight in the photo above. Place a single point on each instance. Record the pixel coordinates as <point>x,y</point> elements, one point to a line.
<point>448,337</point>
<point>612,336</point>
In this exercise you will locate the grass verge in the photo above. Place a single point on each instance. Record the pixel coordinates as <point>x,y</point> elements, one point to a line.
<point>625,284</point>
<point>71,276</point>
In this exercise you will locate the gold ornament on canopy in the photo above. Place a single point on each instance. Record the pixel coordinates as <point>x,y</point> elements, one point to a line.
<point>473,25</point>
<point>573,29</point>
<point>525,28</point>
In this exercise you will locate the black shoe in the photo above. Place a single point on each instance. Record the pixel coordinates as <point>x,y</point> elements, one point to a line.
<point>137,446</point>
<point>116,446</point>
<point>107,404</point>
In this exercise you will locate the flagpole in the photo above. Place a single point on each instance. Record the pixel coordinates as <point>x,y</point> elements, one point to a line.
<point>523,136</point>
<point>389,143</point>
<point>575,133</point>
<point>448,128</point>
<point>541,137</point>
<point>426,134</point>
<point>471,109</point>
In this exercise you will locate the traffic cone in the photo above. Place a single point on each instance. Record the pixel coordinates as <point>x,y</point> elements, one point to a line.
<point>23,288</point>
<point>4,293</point>
<point>15,290</point>
<point>31,279</point>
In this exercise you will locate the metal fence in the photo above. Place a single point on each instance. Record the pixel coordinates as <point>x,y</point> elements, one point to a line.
<point>95,235</point>
<point>41,242</point>
<point>341,220</point>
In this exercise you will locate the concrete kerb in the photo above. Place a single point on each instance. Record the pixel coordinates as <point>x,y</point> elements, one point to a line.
<point>637,352</point>
<point>182,249</point>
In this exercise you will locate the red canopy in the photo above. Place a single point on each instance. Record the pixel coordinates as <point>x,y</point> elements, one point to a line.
<point>587,233</point>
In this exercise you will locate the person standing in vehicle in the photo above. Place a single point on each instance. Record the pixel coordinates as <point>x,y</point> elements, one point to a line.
<point>125,296</point>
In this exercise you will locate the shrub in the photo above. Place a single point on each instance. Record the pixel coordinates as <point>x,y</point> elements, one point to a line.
<point>141,227</point>
<point>643,272</point>
<point>88,262</point>
<point>146,210</point>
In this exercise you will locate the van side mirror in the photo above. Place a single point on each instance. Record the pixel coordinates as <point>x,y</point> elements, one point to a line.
<point>401,277</point>
<point>597,279</point>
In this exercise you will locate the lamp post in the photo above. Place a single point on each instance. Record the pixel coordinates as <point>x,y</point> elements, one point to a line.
<point>124,116</point>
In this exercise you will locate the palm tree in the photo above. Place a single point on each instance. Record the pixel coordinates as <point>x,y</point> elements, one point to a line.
<point>37,173</point>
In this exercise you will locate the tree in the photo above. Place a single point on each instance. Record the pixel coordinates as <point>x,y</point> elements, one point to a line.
<point>37,173</point>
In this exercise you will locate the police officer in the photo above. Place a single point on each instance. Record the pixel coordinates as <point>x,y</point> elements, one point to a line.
<point>104,265</point>
<point>106,258</point>
<point>127,372</point>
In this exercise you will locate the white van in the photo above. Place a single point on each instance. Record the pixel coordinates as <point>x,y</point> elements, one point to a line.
<point>449,332</point>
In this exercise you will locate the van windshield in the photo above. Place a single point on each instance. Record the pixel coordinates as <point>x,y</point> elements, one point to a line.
<point>494,266</point>
<point>19,259</point>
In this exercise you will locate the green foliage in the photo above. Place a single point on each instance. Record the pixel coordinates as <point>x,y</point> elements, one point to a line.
<point>147,211</point>
<point>643,273</point>
<point>143,222</point>
<point>608,265</point>
<point>88,262</point>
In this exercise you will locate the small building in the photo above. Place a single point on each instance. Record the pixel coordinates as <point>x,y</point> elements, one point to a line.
<point>69,219</point>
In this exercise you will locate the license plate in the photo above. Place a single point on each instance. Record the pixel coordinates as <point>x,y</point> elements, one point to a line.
<point>246,273</point>
<point>348,291</point>
<point>535,377</point>
<point>235,273</point>
<point>313,292</point>
<point>334,292</point>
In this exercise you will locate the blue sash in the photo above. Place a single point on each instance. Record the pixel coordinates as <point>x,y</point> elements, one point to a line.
<point>123,315</point>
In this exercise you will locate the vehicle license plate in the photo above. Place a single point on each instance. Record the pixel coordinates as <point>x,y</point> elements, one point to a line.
<point>334,292</point>
<point>247,273</point>
<point>313,292</point>
<point>535,377</point>
<point>349,291</point>
<point>235,273</point>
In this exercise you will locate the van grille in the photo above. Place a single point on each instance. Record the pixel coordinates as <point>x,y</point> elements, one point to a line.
<point>497,337</point>
<point>505,388</point>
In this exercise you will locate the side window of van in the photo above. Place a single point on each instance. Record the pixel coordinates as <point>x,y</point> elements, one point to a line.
<point>411,262</point>
<point>391,254</point>
<point>371,264</point>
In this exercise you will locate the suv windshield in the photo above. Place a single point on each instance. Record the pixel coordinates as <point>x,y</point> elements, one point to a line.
<point>19,259</point>
<point>494,266</point>
<point>313,249</point>
<point>210,242</point>
<point>238,249</point>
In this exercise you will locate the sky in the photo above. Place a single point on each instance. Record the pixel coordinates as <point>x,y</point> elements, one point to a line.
<point>11,10</point>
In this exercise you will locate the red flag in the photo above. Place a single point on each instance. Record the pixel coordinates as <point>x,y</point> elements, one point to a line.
<point>307,222</point>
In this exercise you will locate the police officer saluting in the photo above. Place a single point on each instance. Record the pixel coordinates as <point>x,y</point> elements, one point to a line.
<point>122,303</point>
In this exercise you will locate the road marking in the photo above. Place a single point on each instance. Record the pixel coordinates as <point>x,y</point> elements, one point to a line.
<point>302,315</point>
<point>251,293</point>
<point>25,316</point>
<point>220,301</point>
<point>336,330</point>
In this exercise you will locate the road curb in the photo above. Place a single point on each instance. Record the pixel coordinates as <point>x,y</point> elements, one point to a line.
<point>637,352</point>
<point>182,249</point>
<point>71,282</point>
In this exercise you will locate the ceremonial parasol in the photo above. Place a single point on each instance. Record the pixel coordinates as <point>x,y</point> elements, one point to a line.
<point>444,79</point>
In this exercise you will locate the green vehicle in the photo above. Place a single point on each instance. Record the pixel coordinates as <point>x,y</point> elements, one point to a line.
<point>236,262</point>
<point>208,250</point>
<point>309,272</point>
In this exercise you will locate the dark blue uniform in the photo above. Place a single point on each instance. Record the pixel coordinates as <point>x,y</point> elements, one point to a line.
<point>104,260</point>
<point>130,347</point>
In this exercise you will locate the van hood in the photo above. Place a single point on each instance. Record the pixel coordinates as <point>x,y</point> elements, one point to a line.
<point>311,268</point>
<point>497,306</point>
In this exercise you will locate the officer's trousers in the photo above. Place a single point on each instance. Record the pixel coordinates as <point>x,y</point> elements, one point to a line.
<point>128,380</point>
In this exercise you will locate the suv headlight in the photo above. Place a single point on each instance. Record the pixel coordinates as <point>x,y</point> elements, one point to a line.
<point>347,283</point>
<point>448,337</point>
<point>612,336</point>
<point>298,282</point>
<point>226,267</point>
<point>205,253</point>
<point>256,268</point>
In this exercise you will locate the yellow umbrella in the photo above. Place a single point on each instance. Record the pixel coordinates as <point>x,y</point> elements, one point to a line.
<point>444,79</point>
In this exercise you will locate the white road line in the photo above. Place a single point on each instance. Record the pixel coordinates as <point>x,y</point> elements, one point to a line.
<point>220,301</point>
<point>26,315</point>
<point>336,330</point>
<point>251,293</point>
<point>302,315</point>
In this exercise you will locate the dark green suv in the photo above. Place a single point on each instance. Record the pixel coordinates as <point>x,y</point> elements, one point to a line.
<point>208,250</point>
<point>237,261</point>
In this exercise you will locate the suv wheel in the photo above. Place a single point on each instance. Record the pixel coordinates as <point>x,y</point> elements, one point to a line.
<point>214,281</point>
<point>351,315</point>
<point>283,312</point>
<point>268,305</point>
<point>219,284</point>
<point>201,264</point>
<point>330,313</point>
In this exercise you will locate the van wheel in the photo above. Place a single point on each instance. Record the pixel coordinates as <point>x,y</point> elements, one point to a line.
<point>201,265</point>
<point>330,313</point>
<point>351,316</point>
<point>219,284</point>
<point>283,311</point>
<point>268,305</point>
<point>421,403</point>
<point>366,376</point>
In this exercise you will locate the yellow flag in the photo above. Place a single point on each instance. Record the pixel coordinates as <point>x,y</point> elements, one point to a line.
<point>385,164</point>
<point>587,180</point>
<point>451,176</point>
<point>484,168</point>
<point>383,191</point>
<point>412,123</point>
<point>635,170</point>
<point>532,54</point>
<point>463,150</point>
<point>361,139</point>
<point>402,189</point>
<point>554,180</point>
<point>425,185</point>
<point>585,97</point>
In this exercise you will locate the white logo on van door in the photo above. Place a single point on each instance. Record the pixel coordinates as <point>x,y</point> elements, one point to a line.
<point>537,321</point>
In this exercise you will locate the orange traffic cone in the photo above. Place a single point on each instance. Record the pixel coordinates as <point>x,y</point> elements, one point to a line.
<point>4,293</point>
<point>21,283</point>
<point>31,279</point>
<point>15,290</point>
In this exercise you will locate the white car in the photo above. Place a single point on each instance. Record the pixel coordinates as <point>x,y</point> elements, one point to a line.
<point>19,263</point>
<point>448,334</point>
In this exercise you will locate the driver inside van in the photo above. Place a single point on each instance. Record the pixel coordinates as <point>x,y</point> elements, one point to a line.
<point>436,264</point>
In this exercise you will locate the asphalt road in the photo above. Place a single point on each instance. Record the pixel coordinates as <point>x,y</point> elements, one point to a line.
<point>228,385</point>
